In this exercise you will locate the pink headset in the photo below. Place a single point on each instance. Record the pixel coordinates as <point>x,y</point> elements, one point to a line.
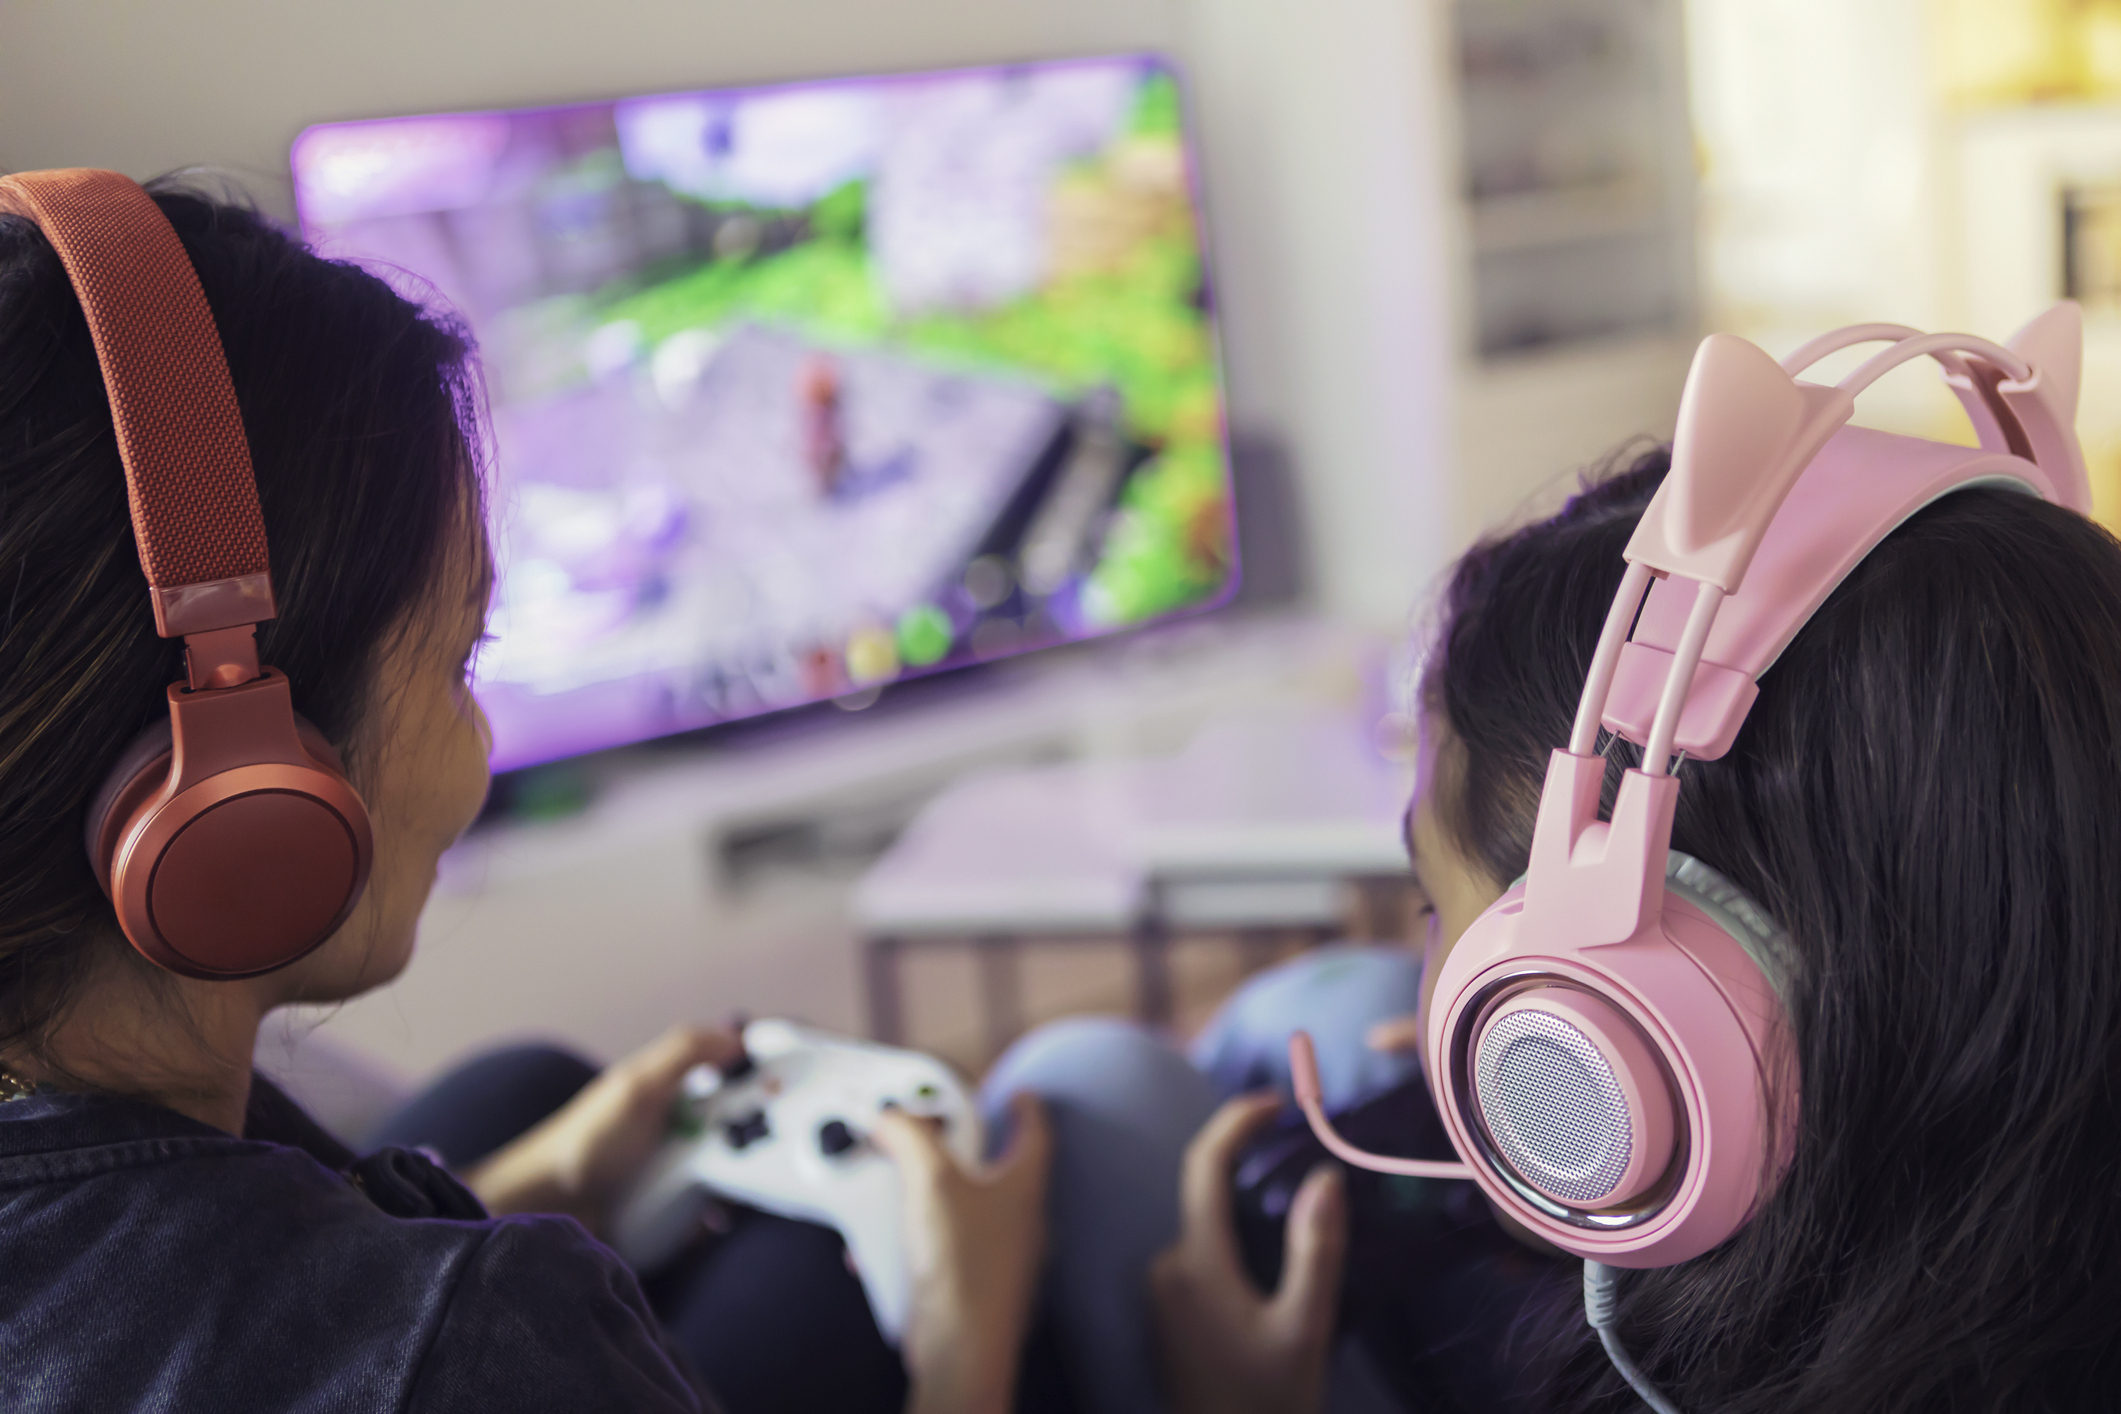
<point>1608,1044</point>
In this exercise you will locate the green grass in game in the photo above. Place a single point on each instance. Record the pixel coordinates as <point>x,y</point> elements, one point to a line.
<point>1131,321</point>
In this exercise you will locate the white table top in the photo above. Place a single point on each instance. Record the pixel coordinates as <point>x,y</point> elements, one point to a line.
<point>1075,846</point>
<point>1013,849</point>
<point>1286,792</point>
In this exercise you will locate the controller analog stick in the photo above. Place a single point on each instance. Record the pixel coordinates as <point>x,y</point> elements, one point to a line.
<point>835,1138</point>
<point>746,1130</point>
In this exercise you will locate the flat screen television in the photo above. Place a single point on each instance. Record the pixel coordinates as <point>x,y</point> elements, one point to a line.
<point>799,390</point>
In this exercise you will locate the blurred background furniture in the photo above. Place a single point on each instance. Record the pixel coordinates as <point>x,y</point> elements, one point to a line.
<point>996,858</point>
<point>1266,828</point>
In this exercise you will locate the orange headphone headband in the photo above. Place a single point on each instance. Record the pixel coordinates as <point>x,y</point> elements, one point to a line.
<point>227,836</point>
<point>180,432</point>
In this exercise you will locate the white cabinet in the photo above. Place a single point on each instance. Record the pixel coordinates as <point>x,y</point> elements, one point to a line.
<point>1577,293</point>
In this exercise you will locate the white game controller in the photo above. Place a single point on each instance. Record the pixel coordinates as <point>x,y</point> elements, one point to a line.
<point>790,1136</point>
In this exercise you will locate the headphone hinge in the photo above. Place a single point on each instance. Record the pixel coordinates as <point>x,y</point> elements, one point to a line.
<point>221,657</point>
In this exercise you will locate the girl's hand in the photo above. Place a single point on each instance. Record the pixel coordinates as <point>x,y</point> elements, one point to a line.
<point>581,1158</point>
<point>1228,1349</point>
<point>974,1243</point>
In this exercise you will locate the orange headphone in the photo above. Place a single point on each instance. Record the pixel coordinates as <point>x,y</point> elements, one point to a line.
<point>227,837</point>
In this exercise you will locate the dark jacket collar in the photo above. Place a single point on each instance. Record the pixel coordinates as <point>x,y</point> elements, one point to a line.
<point>41,1127</point>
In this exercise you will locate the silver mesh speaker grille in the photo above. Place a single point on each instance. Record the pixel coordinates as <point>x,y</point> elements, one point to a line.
<point>1553,1106</point>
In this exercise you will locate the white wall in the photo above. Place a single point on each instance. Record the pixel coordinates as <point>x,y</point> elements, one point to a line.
<point>1325,128</point>
<point>1820,163</point>
<point>1318,120</point>
<point>1829,184</point>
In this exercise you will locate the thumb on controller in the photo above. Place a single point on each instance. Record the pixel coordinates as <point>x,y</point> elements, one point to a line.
<point>916,1145</point>
<point>1030,1147</point>
<point>658,1069</point>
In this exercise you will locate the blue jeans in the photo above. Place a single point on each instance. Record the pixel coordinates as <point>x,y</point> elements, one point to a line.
<point>1125,1103</point>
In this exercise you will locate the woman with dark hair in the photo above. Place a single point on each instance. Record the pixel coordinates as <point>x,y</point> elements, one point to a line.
<point>1927,797</point>
<point>174,1232</point>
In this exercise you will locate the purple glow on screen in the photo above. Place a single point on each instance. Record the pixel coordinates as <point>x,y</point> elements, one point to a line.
<point>804,389</point>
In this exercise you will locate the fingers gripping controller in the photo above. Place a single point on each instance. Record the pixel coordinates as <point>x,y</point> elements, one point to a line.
<point>240,845</point>
<point>791,1136</point>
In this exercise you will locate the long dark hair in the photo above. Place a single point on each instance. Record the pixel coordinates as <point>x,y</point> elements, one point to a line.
<point>1927,794</point>
<point>361,411</point>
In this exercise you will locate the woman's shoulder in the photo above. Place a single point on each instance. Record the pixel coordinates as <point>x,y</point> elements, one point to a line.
<point>248,1274</point>
<point>543,1310</point>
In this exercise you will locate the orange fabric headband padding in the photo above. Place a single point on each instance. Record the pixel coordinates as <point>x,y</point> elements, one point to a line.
<point>180,432</point>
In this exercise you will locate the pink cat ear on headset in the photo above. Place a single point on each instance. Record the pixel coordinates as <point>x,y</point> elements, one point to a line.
<point>1771,491</point>
<point>1746,431</point>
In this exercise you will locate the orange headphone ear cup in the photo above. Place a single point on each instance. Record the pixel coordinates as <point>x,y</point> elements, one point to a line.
<point>143,768</point>
<point>255,890</point>
<point>140,771</point>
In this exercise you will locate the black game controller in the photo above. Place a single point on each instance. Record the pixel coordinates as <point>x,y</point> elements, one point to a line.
<point>1390,1217</point>
<point>1433,1286</point>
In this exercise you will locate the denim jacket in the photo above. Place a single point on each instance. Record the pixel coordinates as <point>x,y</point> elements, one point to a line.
<point>148,1261</point>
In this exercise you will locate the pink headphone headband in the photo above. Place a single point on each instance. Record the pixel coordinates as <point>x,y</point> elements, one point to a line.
<point>1772,500</point>
<point>180,432</point>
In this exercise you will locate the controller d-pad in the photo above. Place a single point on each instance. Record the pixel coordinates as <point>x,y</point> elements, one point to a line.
<point>834,1138</point>
<point>746,1130</point>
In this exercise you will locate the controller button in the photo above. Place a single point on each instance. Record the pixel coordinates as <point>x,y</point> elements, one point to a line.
<point>746,1130</point>
<point>835,1138</point>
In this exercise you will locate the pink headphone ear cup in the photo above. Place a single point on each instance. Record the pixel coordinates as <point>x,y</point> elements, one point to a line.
<point>1699,983</point>
<point>1585,1114</point>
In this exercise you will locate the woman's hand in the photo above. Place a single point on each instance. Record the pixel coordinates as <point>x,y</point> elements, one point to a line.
<point>974,1242</point>
<point>1228,1349</point>
<point>581,1158</point>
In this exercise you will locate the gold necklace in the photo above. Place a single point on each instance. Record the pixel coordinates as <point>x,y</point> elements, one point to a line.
<point>14,1087</point>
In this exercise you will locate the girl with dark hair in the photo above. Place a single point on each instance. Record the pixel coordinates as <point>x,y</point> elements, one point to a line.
<point>1927,797</point>
<point>174,1232</point>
